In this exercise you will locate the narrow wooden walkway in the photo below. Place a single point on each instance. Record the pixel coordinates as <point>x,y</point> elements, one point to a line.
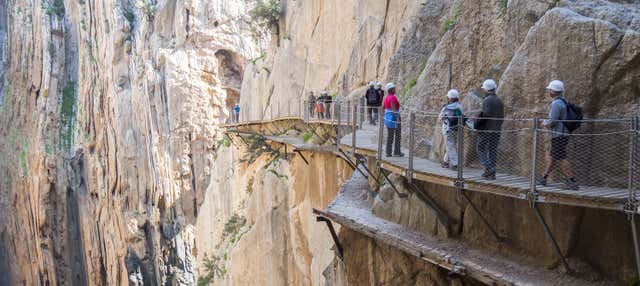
<point>351,209</point>
<point>504,185</point>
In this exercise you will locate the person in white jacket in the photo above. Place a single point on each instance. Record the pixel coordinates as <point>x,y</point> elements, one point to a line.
<point>450,117</point>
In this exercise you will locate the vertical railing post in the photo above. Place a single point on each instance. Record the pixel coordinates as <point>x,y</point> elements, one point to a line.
<point>348,119</point>
<point>353,129</point>
<point>339,114</point>
<point>534,162</point>
<point>306,112</point>
<point>412,143</point>
<point>631,164</point>
<point>380,136</point>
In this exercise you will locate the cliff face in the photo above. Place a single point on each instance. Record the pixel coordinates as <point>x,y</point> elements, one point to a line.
<point>257,226</point>
<point>109,113</point>
<point>113,168</point>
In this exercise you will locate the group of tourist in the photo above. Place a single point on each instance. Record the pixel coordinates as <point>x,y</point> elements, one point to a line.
<point>320,106</point>
<point>487,123</point>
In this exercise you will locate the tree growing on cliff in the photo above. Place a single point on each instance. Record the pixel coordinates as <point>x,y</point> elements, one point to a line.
<point>266,14</point>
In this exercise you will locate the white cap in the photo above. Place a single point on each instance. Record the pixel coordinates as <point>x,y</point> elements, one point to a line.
<point>390,86</point>
<point>324,92</point>
<point>489,85</point>
<point>453,94</point>
<point>372,83</point>
<point>556,86</point>
<point>379,84</point>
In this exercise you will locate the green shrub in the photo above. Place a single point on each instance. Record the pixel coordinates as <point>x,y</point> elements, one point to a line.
<point>67,115</point>
<point>148,9</point>
<point>449,23</point>
<point>129,15</point>
<point>23,160</point>
<point>54,8</point>
<point>213,268</point>
<point>266,13</point>
<point>307,137</point>
<point>503,7</point>
<point>233,225</point>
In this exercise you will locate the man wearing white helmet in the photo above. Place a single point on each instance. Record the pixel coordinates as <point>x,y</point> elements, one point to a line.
<point>450,117</point>
<point>392,121</point>
<point>373,102</point>
<point>559,136</point>
<point>489,125</point>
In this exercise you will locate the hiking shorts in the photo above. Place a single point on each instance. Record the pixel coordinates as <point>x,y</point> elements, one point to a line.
<point>559,147</point>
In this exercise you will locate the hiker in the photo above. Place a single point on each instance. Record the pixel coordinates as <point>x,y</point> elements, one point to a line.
<point>312,104</point>
<point>558,111</point>
<point>489,125</point>
<point>373,100</point>
<point>319,107</point>
<point>328,101</point>
<point>392,121</point>
<point>236,113</point>
<point>450,117</point>
<point>380,91</point>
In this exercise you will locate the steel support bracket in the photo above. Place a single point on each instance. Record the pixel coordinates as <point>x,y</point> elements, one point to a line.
<point>334,236</point>
<point>299,152</point>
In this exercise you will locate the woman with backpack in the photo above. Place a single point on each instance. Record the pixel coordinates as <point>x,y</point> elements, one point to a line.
<point>450,117</point>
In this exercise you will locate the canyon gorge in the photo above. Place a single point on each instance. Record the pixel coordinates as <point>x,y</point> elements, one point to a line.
<point>116,167</point>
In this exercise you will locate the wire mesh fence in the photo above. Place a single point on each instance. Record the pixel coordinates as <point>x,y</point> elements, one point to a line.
<point>599,159</point>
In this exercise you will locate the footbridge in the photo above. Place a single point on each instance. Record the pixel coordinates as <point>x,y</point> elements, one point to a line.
<point>603,155</point>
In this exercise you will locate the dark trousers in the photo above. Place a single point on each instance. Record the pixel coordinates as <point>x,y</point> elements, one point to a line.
<point>327,110</point>
<point>372,114</point>
<point>487,148</point>
<point>312,109</point>
<point>394,136</point>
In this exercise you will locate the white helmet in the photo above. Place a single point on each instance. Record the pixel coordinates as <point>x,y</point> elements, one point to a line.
<point>372,84</point>
<point>379,84</point>
<point>556,86</point>
<point>324,92</point>
<point>390,86</point>
<point>453,94</point>
<point>489,85</point>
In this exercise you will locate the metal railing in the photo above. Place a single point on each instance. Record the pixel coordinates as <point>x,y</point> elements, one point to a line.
<point>603,155</point>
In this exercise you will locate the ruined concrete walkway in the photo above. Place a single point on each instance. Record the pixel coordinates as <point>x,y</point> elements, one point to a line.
<point>351,209</point>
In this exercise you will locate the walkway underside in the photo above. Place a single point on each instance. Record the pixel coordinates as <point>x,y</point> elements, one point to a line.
<point>351,210</point>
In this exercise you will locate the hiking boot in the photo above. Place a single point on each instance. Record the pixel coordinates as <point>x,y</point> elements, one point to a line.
<point>490,176</point>
<point>398,155</point>
<point>454,168</point>
<point>542,181</point>
<point>571,185</point>
<point>444,165</point>
<point>388,155</point>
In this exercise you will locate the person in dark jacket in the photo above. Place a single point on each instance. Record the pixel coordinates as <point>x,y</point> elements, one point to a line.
<point>328,102</point>
<point>489,125</point>
<point>373,99</point>
<point>311,102</point>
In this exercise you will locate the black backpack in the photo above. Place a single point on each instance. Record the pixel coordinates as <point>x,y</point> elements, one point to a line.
<point>574,115</point>
<point>372,96</point>
<point>452,119</point>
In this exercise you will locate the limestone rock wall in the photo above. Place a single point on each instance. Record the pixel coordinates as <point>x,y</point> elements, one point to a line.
<point>257,217</point>
<point>109,114</point>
